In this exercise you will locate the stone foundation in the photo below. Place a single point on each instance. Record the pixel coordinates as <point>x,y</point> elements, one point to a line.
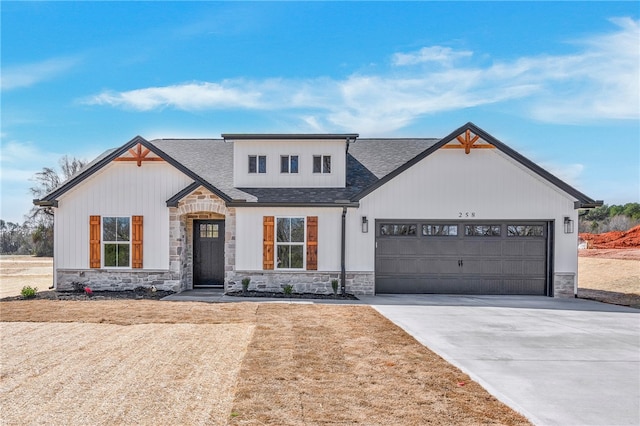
<point>564,284</point>
<point>303,282</point>
<point>112,280</point>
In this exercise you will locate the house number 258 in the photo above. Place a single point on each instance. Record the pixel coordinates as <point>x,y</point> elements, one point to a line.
<point>467,214</point>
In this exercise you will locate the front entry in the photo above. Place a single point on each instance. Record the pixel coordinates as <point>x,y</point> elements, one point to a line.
<point>208,253</point>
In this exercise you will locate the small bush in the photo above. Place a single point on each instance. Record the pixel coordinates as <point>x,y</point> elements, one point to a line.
<point>245,284</point>
<point>288,289</point>
<point>78,287</point>
<point>29,292</point>
<point>334,286</point>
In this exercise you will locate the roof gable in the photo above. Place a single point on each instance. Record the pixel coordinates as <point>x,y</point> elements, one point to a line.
<point>137,149</point>
<point>467,142</point>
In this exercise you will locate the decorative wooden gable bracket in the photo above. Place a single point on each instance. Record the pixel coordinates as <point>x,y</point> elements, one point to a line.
<point>468,143</point>
<point>138,154</point>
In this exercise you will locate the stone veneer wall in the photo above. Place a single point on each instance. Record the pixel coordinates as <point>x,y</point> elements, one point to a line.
<point>303,282</point>
<point>115,280</point>
<point>200,204</point>
<point>564,284</point>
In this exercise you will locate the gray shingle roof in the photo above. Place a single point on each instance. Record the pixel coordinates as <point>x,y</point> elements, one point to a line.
<point>211,159</point>
<point>368,160</point>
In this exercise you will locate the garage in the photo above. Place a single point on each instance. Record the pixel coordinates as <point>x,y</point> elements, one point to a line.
<point>467,257</point>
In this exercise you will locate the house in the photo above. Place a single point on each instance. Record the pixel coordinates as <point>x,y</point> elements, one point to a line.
<point>463,214</point>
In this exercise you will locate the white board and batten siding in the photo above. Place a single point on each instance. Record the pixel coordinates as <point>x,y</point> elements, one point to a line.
<point>453,186</point>
<point>249,235</point>
<point>273,150</point>
<point>119,189</point>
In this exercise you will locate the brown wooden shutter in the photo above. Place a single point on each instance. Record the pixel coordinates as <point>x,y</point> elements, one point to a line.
<point>94,241</point>
<point>136,241</point>
<point>267,242</point>
<point>312,243</point>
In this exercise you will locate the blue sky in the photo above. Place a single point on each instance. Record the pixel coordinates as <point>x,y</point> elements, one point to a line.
<point>557,81</point>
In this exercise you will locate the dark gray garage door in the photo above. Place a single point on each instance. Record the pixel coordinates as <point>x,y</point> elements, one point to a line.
<point>461,258</point>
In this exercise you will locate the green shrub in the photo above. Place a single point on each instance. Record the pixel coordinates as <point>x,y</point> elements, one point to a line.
<point>288,289</point>
<point>29,292</point>
<point>245,284</point>
<point>334,286</point>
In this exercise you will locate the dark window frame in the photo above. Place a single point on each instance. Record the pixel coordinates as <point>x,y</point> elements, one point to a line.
<point>322,164</point>
<point>289,164</point>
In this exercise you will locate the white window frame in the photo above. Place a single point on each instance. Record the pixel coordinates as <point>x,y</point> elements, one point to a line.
<point>103,243</point>
<point>322,157</point>
<point>303,243</point>
<point>288,157</point>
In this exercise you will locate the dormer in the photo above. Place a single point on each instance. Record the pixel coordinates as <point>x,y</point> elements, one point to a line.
<point>289,160</point>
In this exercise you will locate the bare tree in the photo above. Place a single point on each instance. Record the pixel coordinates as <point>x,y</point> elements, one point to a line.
<point>41,218</point>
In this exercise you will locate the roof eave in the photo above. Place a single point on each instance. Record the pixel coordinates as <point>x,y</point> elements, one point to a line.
<point>338,203</point>
<point>289,136</point>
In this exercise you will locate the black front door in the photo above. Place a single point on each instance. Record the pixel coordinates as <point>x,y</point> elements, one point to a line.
<point>208,253</point>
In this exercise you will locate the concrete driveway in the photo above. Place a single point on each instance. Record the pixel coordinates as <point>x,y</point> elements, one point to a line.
<point>556,361</point>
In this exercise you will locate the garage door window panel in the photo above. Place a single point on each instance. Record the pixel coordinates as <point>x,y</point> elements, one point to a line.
<point>525,231</point>
<point>440,230</point>
<point>398,230</point>
<point>482,230</point>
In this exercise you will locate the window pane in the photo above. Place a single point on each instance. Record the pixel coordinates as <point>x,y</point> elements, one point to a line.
<point>294,164</point>
<point>448,230</point>
<point>123,255</point>
<point>284,164</point>
<point>482,230</point>
<point>297,229</point>
<point>110,255</point>
<point>283,229</point>
<point>252,164</point>
<point>284,260</point>
<point>401,229</point>
<point>262,164</point>
<point>317,164</point>
<point>109,229</point>
<point>123,229</point>
<point>525,231</point>
<point>296,256</point>
<point>326,164</point>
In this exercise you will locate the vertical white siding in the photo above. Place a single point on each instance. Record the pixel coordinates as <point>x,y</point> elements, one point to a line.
<point>249,235</point>
<point>304,149</point>
<point>448,183</point>
<point>119,189</point>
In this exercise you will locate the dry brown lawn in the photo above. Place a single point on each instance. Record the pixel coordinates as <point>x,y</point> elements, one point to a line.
<point>159,363</point>
<point>19,271</point>
<point>151,362</point>
<point>610,275</point>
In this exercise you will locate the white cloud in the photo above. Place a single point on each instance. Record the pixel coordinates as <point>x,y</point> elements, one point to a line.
<point>569,173</point>
<point>189,96</point>
<point>600,81</point>
<point>27,75</point>
<point>438,54</point>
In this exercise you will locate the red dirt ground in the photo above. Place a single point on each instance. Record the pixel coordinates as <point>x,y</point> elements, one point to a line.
<point>613,239</point>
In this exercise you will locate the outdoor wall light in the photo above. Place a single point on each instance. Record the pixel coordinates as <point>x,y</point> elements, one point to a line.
<point>568,225</point>
<point>365,224</point>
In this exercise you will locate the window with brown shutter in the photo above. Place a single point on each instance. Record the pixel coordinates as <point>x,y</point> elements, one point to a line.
<point>94,241</point>
<point>267,242</point>
<point>136,241</point>
<point>312,243</point>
